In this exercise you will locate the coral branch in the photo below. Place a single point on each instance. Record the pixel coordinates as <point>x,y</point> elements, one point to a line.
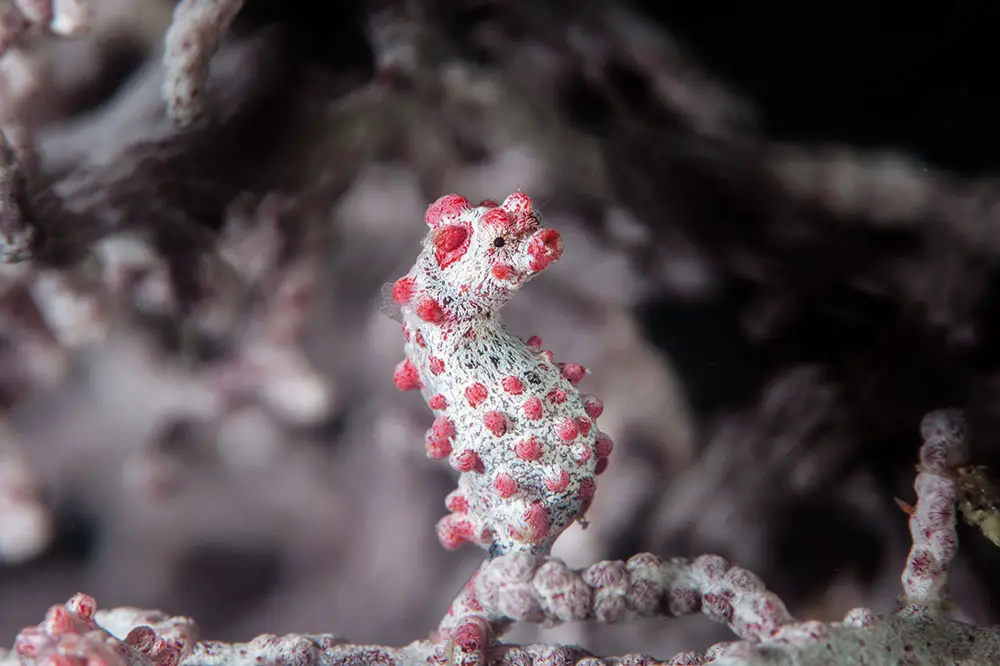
<point>540,589</point>
<point>932,523</point>
<point>71,635</point>
<point>197,30</point>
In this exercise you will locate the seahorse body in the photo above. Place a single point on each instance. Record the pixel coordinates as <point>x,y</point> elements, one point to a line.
<point>507,417</point>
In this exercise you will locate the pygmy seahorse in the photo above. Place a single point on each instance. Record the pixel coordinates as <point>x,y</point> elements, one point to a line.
<point>507,417</point>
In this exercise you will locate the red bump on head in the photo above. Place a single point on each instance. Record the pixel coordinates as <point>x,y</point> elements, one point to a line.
<point>495,422</point>
<point>582,454</point>
<point>502,272</point>
<point>430,311</point>
<point>450,238</point>
<point>445,209</point>
<point>585,425</point>
<point>402,290</point>
<point>573,372</point>
<point>418,337</point>
<point>505,485</point>
<point>406,376</point>
<point>545,247</point>
<point>567,429</point>
<point>602,466</point>
<point>534,342</point>
<point>467,461</point>
<point>512,385</point>
<point>593,406</point>
<point>556,396</point>
<point>488,203</point>
<point>470,639</point>
<point>518,204</point>
<point>533,408</point>
<point>475,394</point>
<point>438,402</point>
<point>528,449</point>
<point>497,217</point>
<point>450,244</point>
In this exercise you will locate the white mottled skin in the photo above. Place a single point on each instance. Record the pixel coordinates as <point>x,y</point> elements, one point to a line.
<point>476,348</point>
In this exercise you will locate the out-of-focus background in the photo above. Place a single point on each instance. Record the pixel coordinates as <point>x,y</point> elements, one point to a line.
<point>781,233</point>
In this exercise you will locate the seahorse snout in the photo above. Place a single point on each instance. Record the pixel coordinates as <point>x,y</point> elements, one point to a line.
<point>544,248</point>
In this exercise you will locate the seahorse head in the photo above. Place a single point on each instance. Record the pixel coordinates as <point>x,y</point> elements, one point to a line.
<point>477,256</point>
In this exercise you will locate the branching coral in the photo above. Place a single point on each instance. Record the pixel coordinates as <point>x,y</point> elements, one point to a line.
<point>194,36</point>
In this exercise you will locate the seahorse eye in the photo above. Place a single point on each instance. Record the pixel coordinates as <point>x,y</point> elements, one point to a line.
<point>499,241</point>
